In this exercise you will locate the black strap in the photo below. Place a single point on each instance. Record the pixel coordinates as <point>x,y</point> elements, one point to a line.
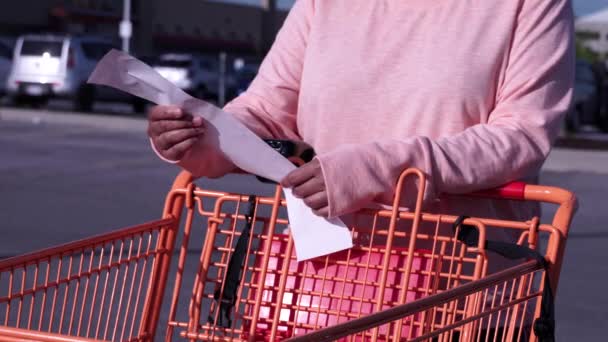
<point>544,326</point>
<point>226,299</point>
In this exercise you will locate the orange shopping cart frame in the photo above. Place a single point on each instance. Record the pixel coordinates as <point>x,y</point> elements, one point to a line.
<point>412,275</point>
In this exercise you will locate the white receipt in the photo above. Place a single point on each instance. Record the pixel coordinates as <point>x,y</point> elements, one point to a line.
<point>313,236</point>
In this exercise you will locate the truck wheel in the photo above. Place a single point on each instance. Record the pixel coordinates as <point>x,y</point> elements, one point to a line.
<point>39,102</point>
<point>573,121</point>
<point>85,97</point>
<point>29,101</point>
<point>18,100</point>
<point>139,105</point>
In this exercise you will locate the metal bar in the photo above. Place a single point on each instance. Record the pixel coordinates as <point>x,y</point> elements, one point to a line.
<point>281,292</point>
<point>530,281</point>
<point>344,280</point>
<point>427,287</point>
<point>79,276</point>
<point>412,243</point>
<point>444,310</point>
<point>122,291</point>
<point>126,20</point>
<point>166,242</point>
<point>367,264</point>
<point>222,271</point>
<point>512,316</point>
<point>33,303</point>
<point>298,291</point>
<point>86,293</point>
<point>76,276</point>
<point>23,335</point>
<point>254,220</point>
<point>181,262</point>
<point>502,302</point>
<point>490,317</point>
<point>113,292</point>
<point>32,258</point>
<point>139,287</point>
<point>265,258</point>
<point>103,293</point>
<point>135,271</point>
<point>483,304</point>
<point>46,282</point>
<point>221,92</point>
<point>388,315</point>
<point>473,318</point>
<point>451,313</point>
<point>202,274</point>
<point>90,321</point>
<point>59,266</point>
<point>23,278</point>
<point>321,295</point>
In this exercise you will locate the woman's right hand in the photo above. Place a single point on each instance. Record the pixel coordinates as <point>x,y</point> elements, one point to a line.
<point>172,131</point>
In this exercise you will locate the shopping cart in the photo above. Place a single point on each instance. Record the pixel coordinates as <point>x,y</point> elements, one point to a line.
<point>412,275</point>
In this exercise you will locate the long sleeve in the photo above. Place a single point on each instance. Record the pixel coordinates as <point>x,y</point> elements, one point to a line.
<point>531,99</point>
<point>269,106</point>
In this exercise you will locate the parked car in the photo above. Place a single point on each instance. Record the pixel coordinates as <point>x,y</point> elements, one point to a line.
<point>6,60</point>
<point>244,76</point>
<point>46,66</point>
<point>195,74</point>
<point>586,106</point>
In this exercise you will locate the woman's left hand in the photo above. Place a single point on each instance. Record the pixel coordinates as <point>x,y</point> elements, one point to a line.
<point>307,182</point>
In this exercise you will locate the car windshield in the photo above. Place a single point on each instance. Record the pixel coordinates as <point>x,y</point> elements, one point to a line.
<point>40,47</point>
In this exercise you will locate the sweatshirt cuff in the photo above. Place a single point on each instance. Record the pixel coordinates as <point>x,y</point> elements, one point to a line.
<point>160,156</point>
<point>347,180</point>
<point>357,176</point>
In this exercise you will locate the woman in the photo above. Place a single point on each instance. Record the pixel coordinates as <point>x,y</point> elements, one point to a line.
<point>472,92</point>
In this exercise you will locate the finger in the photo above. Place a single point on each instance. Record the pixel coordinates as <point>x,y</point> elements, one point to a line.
<point>317,201</point>
<point>157,128</point>
<point>323,212</point>
<point>197,121</point>
<point>311,186</point>
<point>164,113</point>
<point>299,175</point>
<point>177,151</point>
<point>168,139</point>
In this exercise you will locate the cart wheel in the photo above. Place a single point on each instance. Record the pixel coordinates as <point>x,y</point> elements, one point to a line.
<point>139,105</point>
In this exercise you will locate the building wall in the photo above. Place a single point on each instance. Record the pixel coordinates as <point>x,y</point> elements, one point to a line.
<point>158,25</point>
<point>197,25</point>
<point>17,16</point>
<point>200,26</point>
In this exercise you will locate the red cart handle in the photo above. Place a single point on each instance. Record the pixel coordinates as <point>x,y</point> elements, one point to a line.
<point>513,191</point>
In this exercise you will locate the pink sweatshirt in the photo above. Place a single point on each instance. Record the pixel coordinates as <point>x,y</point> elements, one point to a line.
<point>472,92</point>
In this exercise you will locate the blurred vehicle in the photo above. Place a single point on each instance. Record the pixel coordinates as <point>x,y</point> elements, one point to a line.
<point>6,60</point>
<point>46,66</point>
<point>196,74</point>
<point>586,105</point>
<point>244,76</point>
<point>245,70</point>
